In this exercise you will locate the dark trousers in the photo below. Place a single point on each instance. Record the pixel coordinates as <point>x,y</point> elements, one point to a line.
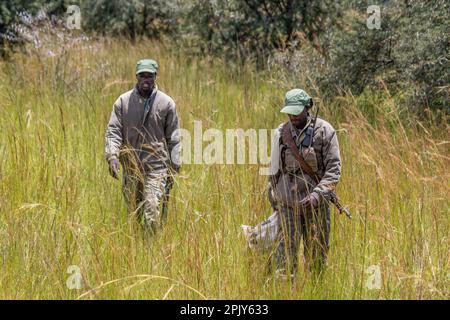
<point>313,226</point>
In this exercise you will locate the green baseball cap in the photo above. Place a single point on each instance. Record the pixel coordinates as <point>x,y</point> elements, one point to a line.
<point>146,65</point>
<point>295,101</point>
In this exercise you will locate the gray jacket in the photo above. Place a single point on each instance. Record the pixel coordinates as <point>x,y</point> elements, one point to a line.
<point>288,182</point>
<point>148,138</point>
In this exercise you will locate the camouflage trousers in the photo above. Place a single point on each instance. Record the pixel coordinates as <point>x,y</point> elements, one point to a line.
<point>143,195</point>
<point>313,227</point>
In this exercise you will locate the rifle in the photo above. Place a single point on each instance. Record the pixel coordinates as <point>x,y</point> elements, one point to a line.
<point>335,200</point>
<point>287,137</point>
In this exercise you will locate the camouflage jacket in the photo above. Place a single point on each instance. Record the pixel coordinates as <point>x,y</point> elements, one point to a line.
<point>288,182</point>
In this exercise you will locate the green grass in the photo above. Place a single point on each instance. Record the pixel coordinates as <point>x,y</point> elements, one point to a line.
<point>59,207</point>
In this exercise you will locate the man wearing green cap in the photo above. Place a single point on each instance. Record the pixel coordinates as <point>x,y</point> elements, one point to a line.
<point>143,135</point>
<point>301,192</point>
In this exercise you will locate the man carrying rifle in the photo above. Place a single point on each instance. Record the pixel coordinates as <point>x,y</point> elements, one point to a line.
<point>305,169</point>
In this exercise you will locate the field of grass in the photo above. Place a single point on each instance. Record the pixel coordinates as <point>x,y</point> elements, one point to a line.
<point>59,207</point>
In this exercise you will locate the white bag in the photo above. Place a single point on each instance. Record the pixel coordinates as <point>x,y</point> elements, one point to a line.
<point>263,236</point>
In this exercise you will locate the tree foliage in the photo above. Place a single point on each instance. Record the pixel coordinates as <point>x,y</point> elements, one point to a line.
<point>409,53</point>
<point>256,28</point>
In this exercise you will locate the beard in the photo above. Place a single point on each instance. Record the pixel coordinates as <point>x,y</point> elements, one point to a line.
<point>300,124</point>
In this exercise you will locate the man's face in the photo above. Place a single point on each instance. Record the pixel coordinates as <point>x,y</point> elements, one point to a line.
<point>146,81</point>
<point>299,120</point>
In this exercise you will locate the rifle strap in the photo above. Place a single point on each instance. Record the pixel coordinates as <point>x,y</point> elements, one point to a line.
<point>286,136</point>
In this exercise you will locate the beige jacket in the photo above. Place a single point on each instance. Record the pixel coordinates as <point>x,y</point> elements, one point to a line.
<point>288,182</point>
<point>149,137</point>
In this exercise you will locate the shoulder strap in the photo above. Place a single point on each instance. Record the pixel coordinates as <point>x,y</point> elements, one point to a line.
<point>287,138</point>
<point>149,104</point>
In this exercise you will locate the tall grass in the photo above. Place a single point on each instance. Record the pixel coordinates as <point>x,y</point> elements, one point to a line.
<point>59,207</point>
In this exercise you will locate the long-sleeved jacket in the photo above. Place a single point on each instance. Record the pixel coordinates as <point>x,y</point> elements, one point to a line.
<point>144,130</point>
<point>289,184</point>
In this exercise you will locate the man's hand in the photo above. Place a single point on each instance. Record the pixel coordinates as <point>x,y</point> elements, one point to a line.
<point>114,168</point>
<point>311,200</point>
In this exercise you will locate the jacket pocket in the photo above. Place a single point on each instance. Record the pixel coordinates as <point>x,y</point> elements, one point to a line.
<point>309,155</point>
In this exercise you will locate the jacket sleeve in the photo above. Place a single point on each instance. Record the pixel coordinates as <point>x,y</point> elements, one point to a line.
<point>331,161</point>
<point>173,136</point>
<point>114,133</point>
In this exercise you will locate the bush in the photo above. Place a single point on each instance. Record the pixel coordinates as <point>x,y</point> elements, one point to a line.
<point>321,42</point>
<point>151,18</point>
<point>254,29</point>
<point>410,53</point>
